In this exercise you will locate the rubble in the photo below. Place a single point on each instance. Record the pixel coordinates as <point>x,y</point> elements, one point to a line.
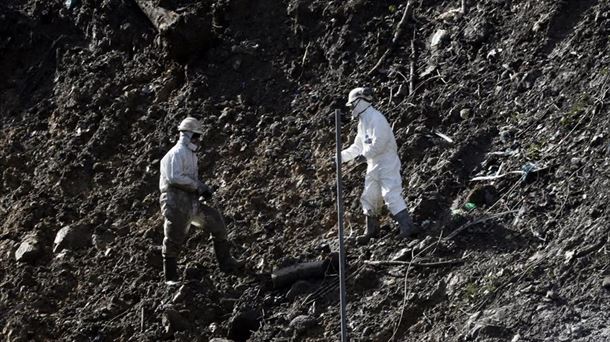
<point>91,97</point>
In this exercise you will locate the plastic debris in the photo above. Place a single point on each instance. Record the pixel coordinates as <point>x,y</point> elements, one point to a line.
<point>470,206</point>
<point>528,169</point>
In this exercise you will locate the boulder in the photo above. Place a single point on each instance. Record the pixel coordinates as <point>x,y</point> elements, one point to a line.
<point>29,250</point>
<point>301,323</point>
<point>72,237</point>
<point>173,321</point>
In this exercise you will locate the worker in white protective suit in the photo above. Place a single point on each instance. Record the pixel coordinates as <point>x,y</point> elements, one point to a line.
<point>375,144</point>
<point>180,190</point>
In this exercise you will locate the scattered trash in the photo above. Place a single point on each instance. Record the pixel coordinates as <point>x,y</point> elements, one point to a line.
<point>470,206</point>
<point>444,137</point>
<point>528,169</point>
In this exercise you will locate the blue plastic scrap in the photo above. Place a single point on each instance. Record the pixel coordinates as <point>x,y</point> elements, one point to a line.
<point>528,169</point>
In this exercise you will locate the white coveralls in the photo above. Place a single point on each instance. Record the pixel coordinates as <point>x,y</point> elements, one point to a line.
<point>178,183</point>
<point>376,142</point>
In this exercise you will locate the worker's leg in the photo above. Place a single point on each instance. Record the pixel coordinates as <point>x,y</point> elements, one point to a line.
<point>212,221</point>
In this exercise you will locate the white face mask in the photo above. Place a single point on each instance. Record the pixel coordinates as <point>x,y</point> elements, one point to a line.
<point>188,136</point>
<point>360,106</point>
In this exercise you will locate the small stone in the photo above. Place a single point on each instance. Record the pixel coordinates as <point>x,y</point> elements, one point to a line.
<point>550,294</point>
<point>465,113</point>
<point>438,39</point>
<point>606,282</point>
<point>29,250</point>
<point>403,254</point>
<point>575,161</point>
<point>301,323</point>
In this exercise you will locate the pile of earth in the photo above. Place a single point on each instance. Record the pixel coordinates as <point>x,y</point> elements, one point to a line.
<point>499,107</point>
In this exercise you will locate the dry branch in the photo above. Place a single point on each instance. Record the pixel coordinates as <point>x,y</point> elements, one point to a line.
<point>412,66</point>
<point>442,263</point>
<point>399,29</point>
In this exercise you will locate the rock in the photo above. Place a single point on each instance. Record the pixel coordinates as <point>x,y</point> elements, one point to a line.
<point>477,31</point>
<point>173,321</point>
<point>217,339</point>
<point>301,323</point>
<point>439,38</point>
<point>403,254</point>
<point>72,237</point>
<point>489,323</point>
<point>606,282</point>
<point>243,323</point>
<point>29,250</point>
<point>465,113</point>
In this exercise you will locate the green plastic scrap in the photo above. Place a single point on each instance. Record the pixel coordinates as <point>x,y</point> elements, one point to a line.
<point>470,206</point>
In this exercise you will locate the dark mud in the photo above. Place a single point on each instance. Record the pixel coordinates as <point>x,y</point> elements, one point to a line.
<point>90,97</point>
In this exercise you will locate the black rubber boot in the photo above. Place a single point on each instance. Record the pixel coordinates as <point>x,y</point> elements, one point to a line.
<point>372,227</point>
<point>170,269</point>
<point>226,262</point>
<point>405,224</point>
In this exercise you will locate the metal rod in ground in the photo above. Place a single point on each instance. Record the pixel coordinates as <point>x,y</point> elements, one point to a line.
<point>342,290</point>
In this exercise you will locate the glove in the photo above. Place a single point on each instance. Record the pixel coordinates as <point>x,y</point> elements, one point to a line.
<point>204,191</point>
<point>360,159</point>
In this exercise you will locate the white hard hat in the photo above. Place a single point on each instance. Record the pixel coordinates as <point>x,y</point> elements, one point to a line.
<point>359,93</point>
<point>190,124</point>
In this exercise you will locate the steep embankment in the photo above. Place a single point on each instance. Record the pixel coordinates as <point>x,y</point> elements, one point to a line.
<point>89,101</point>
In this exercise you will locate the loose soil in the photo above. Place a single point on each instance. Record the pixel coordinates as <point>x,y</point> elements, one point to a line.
<point>90,97</point>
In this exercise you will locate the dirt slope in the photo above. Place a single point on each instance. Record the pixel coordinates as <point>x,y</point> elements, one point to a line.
<point>90,97</point>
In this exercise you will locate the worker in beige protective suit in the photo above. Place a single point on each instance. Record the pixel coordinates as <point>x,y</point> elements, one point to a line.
<point>180,190</point>
<point>375,144</point>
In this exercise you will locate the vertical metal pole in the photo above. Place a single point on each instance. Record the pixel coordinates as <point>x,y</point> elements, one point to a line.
<point>342,290</point>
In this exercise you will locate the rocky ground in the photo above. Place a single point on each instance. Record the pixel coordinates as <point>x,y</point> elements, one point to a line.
<point>500,109</point>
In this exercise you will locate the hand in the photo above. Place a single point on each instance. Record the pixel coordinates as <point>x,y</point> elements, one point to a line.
<point>360,159</point>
